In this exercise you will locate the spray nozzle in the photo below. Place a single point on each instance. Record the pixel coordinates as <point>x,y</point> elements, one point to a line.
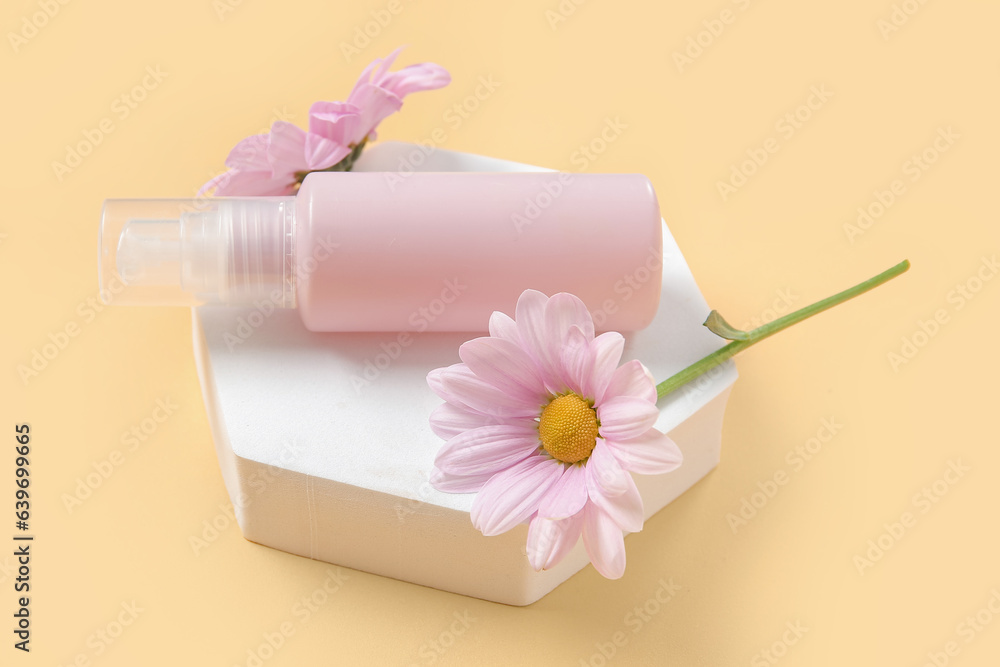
<point>182,252</point>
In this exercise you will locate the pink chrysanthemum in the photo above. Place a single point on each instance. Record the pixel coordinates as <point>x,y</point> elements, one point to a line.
<point>542,422</point>
<point>275,163</point>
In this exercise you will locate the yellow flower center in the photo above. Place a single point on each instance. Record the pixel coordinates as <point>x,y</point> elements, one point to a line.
<point>568,428</point>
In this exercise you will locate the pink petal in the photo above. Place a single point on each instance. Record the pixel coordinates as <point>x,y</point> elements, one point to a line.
<point>487,449</point>
<point>286,149</point>
<point>564,314</point>
<point>506,366</point>
<point>413,79</point>
<point>512,496</point>
<point>436,383</point>
<point>483,397</point>
<point>448,483</point>
<point>529,314</point>
<point>459,385</point>
<point>624,417</point>
<point>366,75</point>
<point>604,542</point>
<point>550,540</point>
<point>291,149</point>
<point>240,183</point>
<point>449,420</point>
<point>603,355</point>
<point>321,153</point>
<point>564,310</point>
<point>502,326</point>
<point>625,509</point>
<point>631,379</point>
<point>335,121</point>
<point>604,473</point>
<point>567,496</point>
<point>576,361</point>
<point>378,68</point>
<point>250,154</point>
<point>374,105</point>
<point>435,380</point>
<point>379,93</point>
<point>652,453</point>
<point>387,62</point>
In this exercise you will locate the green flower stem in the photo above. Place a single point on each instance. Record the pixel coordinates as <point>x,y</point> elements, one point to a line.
<point>760,333</point>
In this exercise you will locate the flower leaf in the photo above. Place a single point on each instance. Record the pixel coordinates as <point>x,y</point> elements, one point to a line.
<point>718,325</point>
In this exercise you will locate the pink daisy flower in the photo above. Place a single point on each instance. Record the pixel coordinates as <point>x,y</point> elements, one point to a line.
<point>275,163</point>
<point>542,423</point>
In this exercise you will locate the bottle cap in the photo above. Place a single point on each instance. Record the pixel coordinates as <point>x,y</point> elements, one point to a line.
<point>233,251</point>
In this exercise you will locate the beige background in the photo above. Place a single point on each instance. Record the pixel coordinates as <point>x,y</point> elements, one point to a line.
<point>780,237</point>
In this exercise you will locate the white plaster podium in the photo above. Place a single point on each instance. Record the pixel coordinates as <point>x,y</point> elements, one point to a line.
<point>325,448</point>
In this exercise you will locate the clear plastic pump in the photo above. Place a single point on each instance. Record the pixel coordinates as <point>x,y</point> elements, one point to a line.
<point>232,251</point>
